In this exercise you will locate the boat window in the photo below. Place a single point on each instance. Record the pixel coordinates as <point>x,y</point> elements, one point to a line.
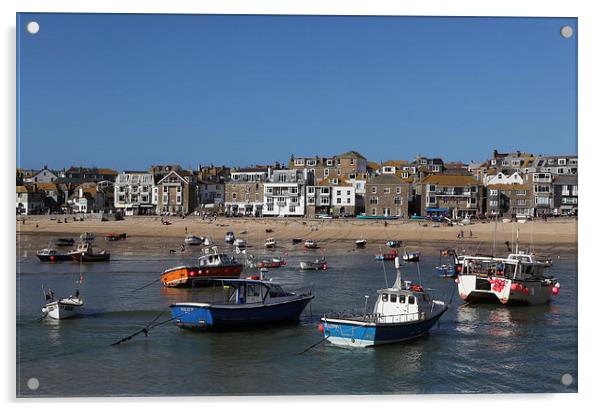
<point>402,299</point>
<point>411,300</point>
<point>277,291</point>
<point>385,297</point>
<point>393,298</point>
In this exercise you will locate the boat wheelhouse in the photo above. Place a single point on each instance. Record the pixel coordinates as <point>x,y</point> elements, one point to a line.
<point>243,303</point>
<point>229,237</point>
<point>518,279</point>
<point>411,256</point>
<point>212,264</point>
<point>360,243</point>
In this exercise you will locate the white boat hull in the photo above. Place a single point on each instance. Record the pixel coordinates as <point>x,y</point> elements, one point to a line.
<point>473,288</point>
<point>64,308</point>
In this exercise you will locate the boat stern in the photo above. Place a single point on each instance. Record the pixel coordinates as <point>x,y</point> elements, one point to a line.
<point>192,316</point>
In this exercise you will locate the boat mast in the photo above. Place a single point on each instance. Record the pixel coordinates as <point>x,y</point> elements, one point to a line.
<point>398,277</point>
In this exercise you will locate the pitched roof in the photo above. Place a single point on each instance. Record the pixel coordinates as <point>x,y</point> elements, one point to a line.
<point>508,187</point>
<point>373,165</point>
<point>45,186</point>
<point>351,153</point>
<point>450,180</point>
<point>396,163</point>
<point>387,179</point>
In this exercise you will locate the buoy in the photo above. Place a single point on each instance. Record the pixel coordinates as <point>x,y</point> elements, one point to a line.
<point>324,267</point>
<point>320,327</point>
<point>457,281</point>
<point>51,258</point>
<point>525,290</point>
<point>555,290</point>
<point>514,286</point>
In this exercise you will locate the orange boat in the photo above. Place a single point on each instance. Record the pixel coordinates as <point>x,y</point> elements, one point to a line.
<point>212,264</point>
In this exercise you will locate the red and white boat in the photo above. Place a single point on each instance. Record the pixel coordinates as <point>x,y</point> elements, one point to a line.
<point>517,279</point>
<point>212,264</point>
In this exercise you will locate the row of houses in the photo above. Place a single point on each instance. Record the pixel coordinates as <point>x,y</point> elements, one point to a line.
<point>507,184</point>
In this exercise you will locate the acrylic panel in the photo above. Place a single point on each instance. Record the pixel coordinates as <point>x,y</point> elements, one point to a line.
<point>277,205</point>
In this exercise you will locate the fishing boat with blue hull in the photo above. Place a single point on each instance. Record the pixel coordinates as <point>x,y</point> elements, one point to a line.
<point>245,303</point>
<point>402,312</point>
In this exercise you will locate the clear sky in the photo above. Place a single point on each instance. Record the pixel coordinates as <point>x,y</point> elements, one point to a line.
<point>128,91</point>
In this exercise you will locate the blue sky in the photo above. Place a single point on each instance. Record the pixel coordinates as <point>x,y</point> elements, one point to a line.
<point>127,91</point>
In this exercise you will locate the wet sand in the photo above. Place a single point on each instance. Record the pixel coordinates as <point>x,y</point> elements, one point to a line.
<point>553,236</point>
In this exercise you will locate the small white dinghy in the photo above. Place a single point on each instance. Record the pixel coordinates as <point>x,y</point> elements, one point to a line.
<point>60,309</point>
<point>270,243</point>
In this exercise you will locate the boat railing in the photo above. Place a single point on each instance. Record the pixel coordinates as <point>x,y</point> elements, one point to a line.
<point>377,317</point>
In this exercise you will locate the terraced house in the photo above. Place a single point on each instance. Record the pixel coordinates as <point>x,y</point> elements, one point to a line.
<point>387,195</point>
<point>509,200</point>
<point>134,193</point>
<point>243,193</point>
<point>455,196</point>
<point>284,193</point>
<point>176,193</point>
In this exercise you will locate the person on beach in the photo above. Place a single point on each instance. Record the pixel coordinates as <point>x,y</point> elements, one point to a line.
<point>471,233</point>
<point>462,233</point>
<point>185,230</point>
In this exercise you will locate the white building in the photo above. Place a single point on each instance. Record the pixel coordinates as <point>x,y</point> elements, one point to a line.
<point>343,197</point>
<point>284,193</point>
<point>28,201</point>
<point>42,176</point>
<point>135,192</point>
<point>210,194</point>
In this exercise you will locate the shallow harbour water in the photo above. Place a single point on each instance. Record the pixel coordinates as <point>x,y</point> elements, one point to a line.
<point>474,349</point>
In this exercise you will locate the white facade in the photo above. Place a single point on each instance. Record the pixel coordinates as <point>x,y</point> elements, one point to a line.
<point>42,176</point>
<point>284,194</point>
<point>135,193</point>
<point>343,196</point>
<point>501,178</point>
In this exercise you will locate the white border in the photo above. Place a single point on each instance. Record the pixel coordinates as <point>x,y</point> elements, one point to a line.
<point>590,70</point>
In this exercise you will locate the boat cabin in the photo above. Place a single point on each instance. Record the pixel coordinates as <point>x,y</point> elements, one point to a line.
<point>215,260</point>
<point>398,305</point>
<point>251,292</point>
<point>516,267</point>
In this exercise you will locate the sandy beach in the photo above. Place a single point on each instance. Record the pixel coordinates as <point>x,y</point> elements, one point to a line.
<point>554,235</point>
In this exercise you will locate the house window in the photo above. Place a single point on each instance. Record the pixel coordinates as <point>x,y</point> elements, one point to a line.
<point>398,190</point>
<point>521,202</point>
<point>562,161</point>
<point>432,187</point>
<point>492,192</point>
<point>348,201</point>
<point>329,162</point>
<point>326,172</point>
<point>299,162</point>
<point>292,209</point>
<point>373,200</point>
<point>311,200</point>
<point>374,211</point>
<point>338,192</point>
<point>521,192</point>
<point>233,196</point>
<point>271,207</point>
<point>311,162</point>
<point>387,190</point>
<point>339,200</point>
<point>493,203</point>
<point>432,200</point>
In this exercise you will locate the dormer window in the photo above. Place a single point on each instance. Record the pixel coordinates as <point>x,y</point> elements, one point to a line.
<point>299,162</point>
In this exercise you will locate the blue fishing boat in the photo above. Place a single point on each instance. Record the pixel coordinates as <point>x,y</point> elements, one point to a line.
<point>244,303</point>
<point>402,312</point>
